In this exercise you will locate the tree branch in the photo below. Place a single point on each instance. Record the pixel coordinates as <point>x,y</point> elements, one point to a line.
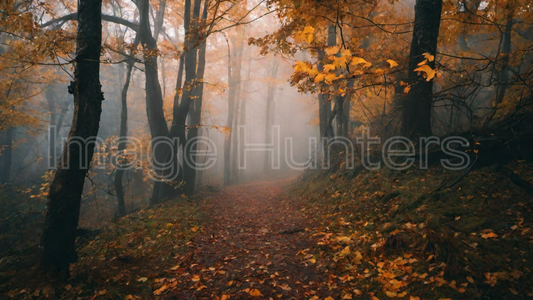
<point>74,16</point>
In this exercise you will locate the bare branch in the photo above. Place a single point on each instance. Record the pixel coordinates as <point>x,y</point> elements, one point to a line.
<point>74,16</point>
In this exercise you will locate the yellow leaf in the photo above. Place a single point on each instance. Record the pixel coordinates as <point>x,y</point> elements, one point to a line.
<point>225,297</point>
<point>346,52</point>
<point>430,73</point>
<point>319,78</point>
<point>160,290</point>
<point>329,67</point>
<point>429,56</point>
<point>470,279</point>
<point>328,298</point>
<point>332,50</point>
<point>345,251</point>
<point>330,77</point>
<point>358,257</point>
<point>254,293</point>
<point>490,235</point>
<point>310,38</point>
<point>142,279</point>
<point>309,29</point>
<point>391,294</point>
<point>392,63</point>
<point>358,60</point>
<point>300,66</point>
<point>343,239</point>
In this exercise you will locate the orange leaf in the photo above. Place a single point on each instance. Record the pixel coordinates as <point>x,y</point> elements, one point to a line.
<point>254,293</point>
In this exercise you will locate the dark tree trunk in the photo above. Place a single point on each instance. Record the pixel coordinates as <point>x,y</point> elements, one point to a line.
<point>192,92</point>
<point>196,111</point>
<point>323,98</point>
<point>62,216</point>
<point>416,110</point>
<point>7,155</point>
<point>346,109</point>
<point>154,96</point>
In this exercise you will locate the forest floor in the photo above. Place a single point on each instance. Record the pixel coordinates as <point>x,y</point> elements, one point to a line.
<point>334,235</point>
<point>249,248</point>
<point>244,242</point>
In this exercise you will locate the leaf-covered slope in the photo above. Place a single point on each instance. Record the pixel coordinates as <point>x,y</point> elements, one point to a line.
<point>392,234</point>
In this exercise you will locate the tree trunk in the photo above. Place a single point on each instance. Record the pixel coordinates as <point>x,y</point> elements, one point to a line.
<point>229,122</point>
<point>416,110</point>
<point>196,111</point>
<point>234,77</point>
<point>119,189</point>
<point>346,109</point>
<point>7,155</point>
<point>323,98</point>
<point>154,97</point>
<point>190,92</point>
<point>269,118</point>
<point>238,41</point>
<point>62,216</point>
<point>242,117</point>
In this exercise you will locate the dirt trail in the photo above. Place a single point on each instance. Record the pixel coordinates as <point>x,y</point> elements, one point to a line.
<point>249,248</point>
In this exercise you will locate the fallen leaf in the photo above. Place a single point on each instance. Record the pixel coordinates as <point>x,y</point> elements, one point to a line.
<point>490,235</point>
<point>254,293</point>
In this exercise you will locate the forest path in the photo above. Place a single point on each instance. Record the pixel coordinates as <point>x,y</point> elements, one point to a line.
<point>249,248</point>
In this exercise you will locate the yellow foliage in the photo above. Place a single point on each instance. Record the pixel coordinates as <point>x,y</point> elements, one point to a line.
<point>429,72</point>
<point>392,63</point>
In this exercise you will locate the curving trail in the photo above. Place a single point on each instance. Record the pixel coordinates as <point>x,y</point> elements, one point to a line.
<point>249,249</point>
